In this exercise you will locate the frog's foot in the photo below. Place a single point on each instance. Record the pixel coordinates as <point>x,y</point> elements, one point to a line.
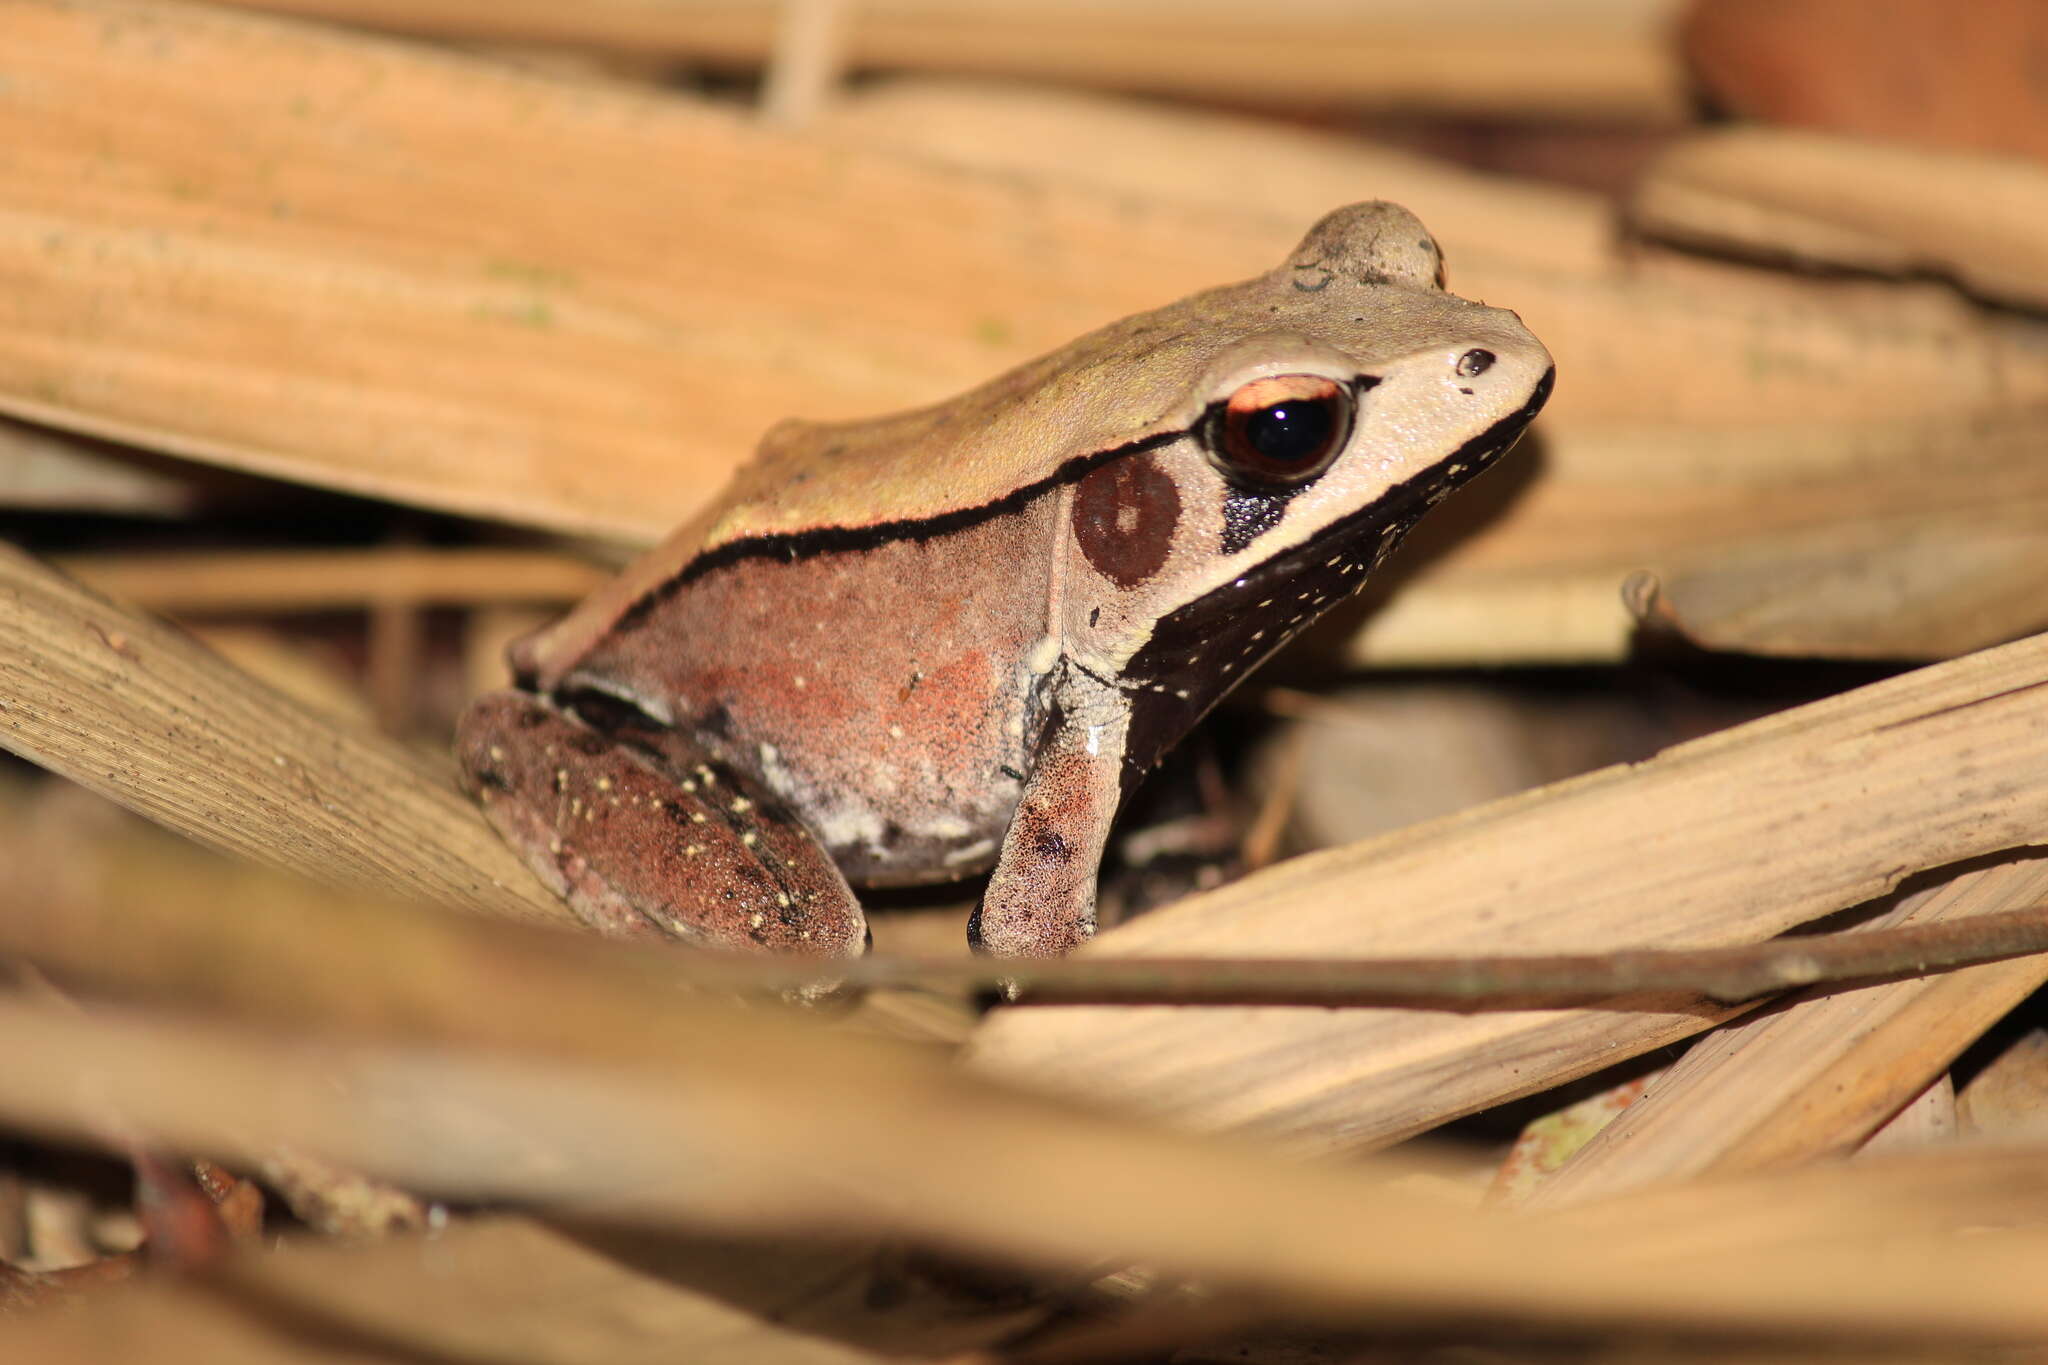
<point>643,833</point>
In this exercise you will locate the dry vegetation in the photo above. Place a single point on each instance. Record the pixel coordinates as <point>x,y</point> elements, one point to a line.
<point>358,339</point>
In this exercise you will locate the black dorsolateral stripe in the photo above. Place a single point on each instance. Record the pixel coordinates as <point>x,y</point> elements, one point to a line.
<point>791,546</point>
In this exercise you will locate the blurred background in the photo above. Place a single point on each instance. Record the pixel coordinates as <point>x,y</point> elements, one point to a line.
<point>358,337</point>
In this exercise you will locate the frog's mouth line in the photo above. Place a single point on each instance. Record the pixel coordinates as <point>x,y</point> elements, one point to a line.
<point>1224,634</point>
<point>1399,507</point>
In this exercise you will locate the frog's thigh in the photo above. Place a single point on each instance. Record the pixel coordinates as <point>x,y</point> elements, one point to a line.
<point>1040,900</point>
<point>648,834</point>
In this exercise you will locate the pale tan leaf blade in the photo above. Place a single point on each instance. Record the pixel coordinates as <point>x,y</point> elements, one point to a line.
<point>395,271</point>
<point>1591,58</point>
<point>1739,835</point>
<point>1817,1074</point>
<point>1861,203</point>
<point>143,714</point>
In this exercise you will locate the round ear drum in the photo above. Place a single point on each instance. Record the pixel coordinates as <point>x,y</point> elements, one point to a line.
<point>1279,431</point>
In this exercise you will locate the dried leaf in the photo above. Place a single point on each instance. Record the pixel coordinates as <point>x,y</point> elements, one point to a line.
<point>1818,1074</point>
<point>505,1290</point>
<point>2010,1095</point>
<point>1867,205</point>
<point>1927,72</point>
<point>1739,835</point>
<point>1593,58</point>
<point>48,469</point>
<point>726,1144</point>
<point>140,713</point>
<point>333,265</point>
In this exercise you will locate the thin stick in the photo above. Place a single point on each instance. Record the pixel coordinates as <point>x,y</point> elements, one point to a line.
<point>326,580</point>
<point>1728,975</point>
<point>809,55</point>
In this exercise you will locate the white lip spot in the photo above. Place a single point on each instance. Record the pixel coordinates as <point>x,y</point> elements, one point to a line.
<point>1094,740</point>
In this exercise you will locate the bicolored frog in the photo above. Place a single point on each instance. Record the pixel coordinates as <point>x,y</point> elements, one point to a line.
<point>950,641</point>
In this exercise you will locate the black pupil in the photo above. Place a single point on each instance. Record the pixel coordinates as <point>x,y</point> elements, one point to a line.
<point>1295,432</point>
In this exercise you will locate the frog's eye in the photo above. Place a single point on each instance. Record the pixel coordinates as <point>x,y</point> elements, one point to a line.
<point>1281,430</point>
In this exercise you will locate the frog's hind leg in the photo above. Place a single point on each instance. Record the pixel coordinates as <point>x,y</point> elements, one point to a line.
<point>643,833</point>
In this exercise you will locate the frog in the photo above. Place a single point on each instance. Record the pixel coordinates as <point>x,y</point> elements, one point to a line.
<point>947,642</point>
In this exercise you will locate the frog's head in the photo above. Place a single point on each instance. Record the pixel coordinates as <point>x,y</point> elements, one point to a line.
<point>1324,408</point>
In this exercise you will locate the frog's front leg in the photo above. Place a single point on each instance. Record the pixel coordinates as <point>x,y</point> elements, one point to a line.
<point>1040,900</point>
<point>644,833</point>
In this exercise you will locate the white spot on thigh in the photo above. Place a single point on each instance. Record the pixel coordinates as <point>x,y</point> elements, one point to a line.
<point>1094,740</point>
<point>1043,655</point>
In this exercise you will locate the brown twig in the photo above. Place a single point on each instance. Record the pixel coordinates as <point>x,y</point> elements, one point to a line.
<point>301,580</point>
<point>1729,975</point>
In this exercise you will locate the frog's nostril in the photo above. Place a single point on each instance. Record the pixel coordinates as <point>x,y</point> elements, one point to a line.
<point>1475,362</point>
